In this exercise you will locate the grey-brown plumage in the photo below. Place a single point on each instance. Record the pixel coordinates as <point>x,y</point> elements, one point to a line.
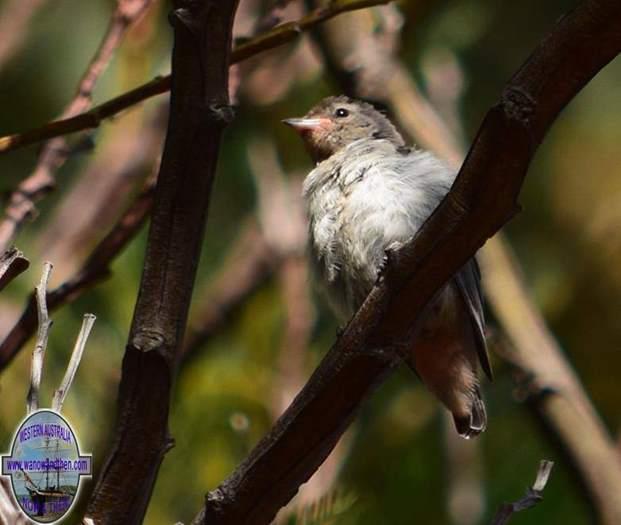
<point>367,194</point>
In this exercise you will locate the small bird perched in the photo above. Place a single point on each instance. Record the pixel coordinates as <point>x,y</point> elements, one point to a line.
<point>368,194</point>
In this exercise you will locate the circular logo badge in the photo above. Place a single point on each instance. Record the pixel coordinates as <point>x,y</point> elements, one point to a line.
<point>45,466</point>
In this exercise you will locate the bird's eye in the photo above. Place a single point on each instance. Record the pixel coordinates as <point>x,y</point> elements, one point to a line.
<point>341,112</point>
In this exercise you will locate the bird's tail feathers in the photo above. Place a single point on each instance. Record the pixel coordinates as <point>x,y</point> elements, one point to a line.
<point>475,422</point>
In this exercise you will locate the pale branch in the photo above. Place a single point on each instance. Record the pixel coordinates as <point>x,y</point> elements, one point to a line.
<point>12,263</point>
<point>277,36</point>
<point>55,152</point>
<point>568,412</point>
<point>76,356</point>
<point>199,112</point>
<point>95,269</point>
<point>482,199</point>
<point>533,495</point>
<point>38,355</point>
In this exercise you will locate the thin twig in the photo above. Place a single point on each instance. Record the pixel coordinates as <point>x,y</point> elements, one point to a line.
<point>76,356</point>
<point>55,152</point>
<point>38,355</point>
<point>280,35</point>
<point>12,263</point>
<point>533,495</point>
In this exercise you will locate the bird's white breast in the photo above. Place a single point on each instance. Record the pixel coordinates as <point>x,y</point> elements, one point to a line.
<point>367,198</point>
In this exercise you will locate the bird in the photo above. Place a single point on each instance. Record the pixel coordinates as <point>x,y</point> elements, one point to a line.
<point>368,194</point>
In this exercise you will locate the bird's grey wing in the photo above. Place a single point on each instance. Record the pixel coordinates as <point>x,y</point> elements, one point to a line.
<point>468,280</point>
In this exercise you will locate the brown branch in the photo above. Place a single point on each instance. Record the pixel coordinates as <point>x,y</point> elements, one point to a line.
<point>199,112</point>
<point>12,263</point>
<point>533,495</point>
<point>482,199</point>
<point>280,35</point>
<point>569,412</point>
<point>54,154</point>
<point>95,269</point>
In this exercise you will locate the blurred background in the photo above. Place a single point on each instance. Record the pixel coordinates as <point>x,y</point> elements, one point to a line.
<point>258,327</point>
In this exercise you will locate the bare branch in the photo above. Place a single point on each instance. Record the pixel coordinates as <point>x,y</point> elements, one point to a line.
<point>482,199</point>
<point>533,495</point>
<point>95,269</point>
<point>280,35</point>
<point>199,112</point>
<point>12,263</point>
<point>76,356</point>
<point>55,152</point>
<point>38,355</point>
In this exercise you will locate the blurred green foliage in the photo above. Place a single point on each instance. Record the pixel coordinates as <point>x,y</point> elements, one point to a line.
<point>568,239</point>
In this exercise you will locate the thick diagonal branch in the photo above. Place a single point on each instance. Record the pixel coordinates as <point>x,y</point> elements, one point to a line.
<point>199,112</point>
<point>482,199</point>
<point>567,410</point>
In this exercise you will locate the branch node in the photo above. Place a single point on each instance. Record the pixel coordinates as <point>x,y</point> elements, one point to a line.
<point>517,104</point>
<point>190,15</point>
<point>221,112</point>
<point>147,339</point>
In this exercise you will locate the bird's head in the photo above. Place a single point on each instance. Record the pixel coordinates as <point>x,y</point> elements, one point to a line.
<point>336,122</point>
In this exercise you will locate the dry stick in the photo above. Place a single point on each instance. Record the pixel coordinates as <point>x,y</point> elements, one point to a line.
<point>54,154</point>
<point>533,495</point>
<point>91,119</point>
<point>12,263</point>
<point>95,268</point>
<point>199,112</point>
<point>14,20</point>
<point>570,413</point>
<point>482,199</point>
<point>76,356</point>
<point>36,370</point>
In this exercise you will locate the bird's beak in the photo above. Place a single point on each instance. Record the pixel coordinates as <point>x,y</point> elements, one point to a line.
<point>305,124</point>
